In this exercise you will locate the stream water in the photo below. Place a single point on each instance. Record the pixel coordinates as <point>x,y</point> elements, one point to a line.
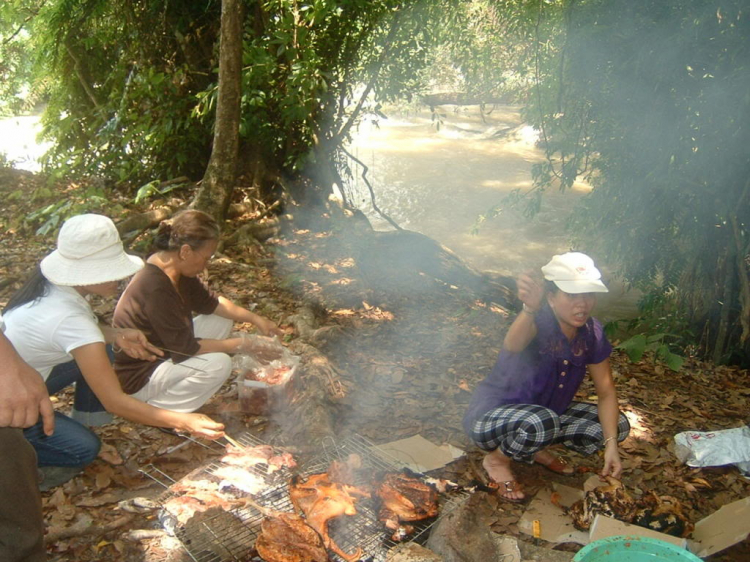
<point>438,181</point>
<point>18,142</point>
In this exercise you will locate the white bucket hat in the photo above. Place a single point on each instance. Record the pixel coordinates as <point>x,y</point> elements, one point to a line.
<point>89,252</point>
<point>574,273</point>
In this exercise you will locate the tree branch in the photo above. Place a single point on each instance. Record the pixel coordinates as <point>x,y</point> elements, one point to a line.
<point>365,169</point>
<point>338,137</point>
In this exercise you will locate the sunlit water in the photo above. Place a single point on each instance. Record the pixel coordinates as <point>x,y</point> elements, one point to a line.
<point>439,181</point>
<point>18,142</point>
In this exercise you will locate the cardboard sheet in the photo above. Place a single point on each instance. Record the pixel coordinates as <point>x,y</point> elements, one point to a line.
<point>720,530</point>
<point>723,528</point>
<point>419,454</point>
<point>604,527</point>
<point>554,525</point>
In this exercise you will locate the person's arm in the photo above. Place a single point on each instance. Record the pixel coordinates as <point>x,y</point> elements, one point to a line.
<point>523,328</point>
<point>97,370</point>
<point>23,395</point>
<point>133,342</point>
<point>227,309</point>
<point>609,413</point>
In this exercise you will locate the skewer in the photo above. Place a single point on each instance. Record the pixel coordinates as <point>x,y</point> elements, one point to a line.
<point>234,442</point>
<point>180,353</point>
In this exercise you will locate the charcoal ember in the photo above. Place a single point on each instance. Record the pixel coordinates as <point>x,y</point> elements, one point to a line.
<point>217,532</point>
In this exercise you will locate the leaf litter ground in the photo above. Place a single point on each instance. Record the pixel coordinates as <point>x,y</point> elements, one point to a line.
<point>406,365</point>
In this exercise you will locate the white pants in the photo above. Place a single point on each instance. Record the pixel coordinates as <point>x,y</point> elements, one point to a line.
<point>186,386</point>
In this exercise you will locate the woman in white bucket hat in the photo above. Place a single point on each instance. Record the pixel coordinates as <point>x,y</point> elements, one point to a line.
<point>526,403</point>
<point>53,328</point>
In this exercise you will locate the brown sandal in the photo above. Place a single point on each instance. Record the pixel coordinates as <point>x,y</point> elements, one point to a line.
<point>559,465</point>
<point>508,487</point>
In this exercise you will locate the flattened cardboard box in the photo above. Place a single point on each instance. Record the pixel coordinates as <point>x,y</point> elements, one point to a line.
<point>722,529</point>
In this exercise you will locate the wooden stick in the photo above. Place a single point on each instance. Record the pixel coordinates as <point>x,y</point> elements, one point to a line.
<point>234,442</point>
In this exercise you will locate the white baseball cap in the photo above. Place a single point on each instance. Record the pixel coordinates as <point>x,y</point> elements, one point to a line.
<point>574,273</point>
<point>89,251</point>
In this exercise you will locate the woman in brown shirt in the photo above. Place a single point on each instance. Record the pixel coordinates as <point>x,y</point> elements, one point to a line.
<point>161,301</point>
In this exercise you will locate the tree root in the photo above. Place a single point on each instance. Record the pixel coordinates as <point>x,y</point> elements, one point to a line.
<point>73,531</point>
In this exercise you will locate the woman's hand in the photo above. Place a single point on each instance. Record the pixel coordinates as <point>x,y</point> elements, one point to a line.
<point>135,344</point>
<point>263,348</point>
<point>612,463</point>
<point>200,425</point>
<point>268,327</point>
<point>530,291</point>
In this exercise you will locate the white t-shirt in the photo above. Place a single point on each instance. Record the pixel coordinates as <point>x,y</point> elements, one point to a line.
<point>44,332</point>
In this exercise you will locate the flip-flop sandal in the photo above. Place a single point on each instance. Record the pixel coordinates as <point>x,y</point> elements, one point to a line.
<point>508,487</point>
<point>559,465</point>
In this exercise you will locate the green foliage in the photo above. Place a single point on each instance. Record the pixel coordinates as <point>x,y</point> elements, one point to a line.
<point>120,78</point>
<point>19,90</point>
<point>47,218</point>
<point>306,64</point>
<point>636,346</point>
<point>132,83</point>
<point>648,100</point>
<point>154,188</point>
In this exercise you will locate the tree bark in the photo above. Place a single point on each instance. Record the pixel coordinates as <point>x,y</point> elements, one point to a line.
<point>216,189</point>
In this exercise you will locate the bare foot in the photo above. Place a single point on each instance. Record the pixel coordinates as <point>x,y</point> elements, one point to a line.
<point>554,463</point>
<point>498,469</point>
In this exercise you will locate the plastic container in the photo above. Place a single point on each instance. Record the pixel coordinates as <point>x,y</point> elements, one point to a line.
<point>260,398</point>
<point>633,549</point>
<point>263,388</point>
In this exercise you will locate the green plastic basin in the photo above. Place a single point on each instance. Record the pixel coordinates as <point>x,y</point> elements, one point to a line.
<point>633,549</point>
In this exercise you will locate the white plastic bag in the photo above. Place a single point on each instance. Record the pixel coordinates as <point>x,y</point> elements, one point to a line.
<point>715,448</point>
<point>264,387</point>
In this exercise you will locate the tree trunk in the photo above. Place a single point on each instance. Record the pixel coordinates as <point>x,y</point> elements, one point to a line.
<point>216,189</point>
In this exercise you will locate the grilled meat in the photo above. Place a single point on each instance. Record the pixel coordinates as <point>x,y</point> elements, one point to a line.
<point>234,476</point>
<point>285,537</point>
<point>322,500</point>
<point>343,472</point>
<point>196,496</point>
<point>247,457</point>
<point>663,514</point>
<point>183,508</point>
<point>404,498</point>
<point>611,500</point>
<point>660,513</point>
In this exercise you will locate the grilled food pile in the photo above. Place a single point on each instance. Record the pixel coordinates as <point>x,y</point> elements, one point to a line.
<point>321,498</point>
<point>398,498</point>
<point>224,486</point>
<point>659,513</point>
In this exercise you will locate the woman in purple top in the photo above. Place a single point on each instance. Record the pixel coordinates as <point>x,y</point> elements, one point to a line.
<point>526,403</point>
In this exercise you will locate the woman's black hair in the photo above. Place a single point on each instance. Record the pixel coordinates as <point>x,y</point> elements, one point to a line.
<point>193,228</point>
<point>32,290</point>
<point>550,287</point>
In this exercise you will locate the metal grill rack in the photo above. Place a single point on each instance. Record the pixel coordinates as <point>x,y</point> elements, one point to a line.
<point>229,536</point>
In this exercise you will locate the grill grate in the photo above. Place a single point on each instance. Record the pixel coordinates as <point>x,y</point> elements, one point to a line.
<point>229,536</point>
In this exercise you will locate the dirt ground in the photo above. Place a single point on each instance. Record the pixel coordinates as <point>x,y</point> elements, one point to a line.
<point>404,357</point>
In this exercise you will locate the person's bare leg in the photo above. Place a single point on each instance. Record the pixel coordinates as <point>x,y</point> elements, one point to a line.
<point>498,469</point>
